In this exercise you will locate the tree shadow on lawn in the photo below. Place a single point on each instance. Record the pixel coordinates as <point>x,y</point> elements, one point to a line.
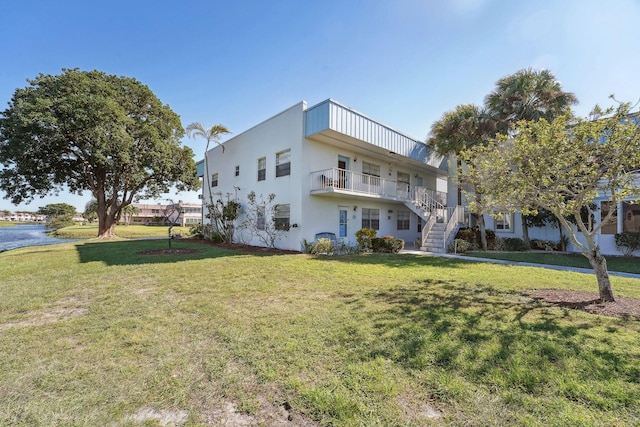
<point>156,251</point>
<point>483,333</point>
<point>400,260</point>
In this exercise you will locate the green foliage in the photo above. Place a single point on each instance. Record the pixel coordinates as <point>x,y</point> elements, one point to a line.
<point>510,244</point>
<point>364,237</point>
<point>387,244</point>
<point>543,245</point>
<point>628,242</point>
<point>57,209</point>
<point>460,246</point>
<point>60,221</point>
<point>91,131</point>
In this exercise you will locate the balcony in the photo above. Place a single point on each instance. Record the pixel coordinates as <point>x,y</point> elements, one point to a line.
<point>341,182</point>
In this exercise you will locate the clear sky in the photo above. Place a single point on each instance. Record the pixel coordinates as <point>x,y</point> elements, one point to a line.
<point>401,62</point>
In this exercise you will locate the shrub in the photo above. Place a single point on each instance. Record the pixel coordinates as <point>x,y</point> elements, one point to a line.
<point>460,246</point>
<point>323,246</point>
<point>513,244</point>
<point>543,245</point>
<point>364,237</point>
<point>628,242</point>
<point>387,244</point>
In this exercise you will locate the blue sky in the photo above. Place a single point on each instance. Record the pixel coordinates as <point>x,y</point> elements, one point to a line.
<point>402,62</point>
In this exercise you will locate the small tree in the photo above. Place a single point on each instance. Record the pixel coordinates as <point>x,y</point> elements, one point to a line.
<point>90,213</point>
<point>59,215</point>
<point>563,166</point>
<point>128,211</point>
<point>260,219</point>
<point>223,215</point>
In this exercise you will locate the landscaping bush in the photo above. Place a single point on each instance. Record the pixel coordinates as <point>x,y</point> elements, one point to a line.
<point>511,244</point>
<point>472,235</point>
<point>387,244</point>
<point>543,245</point>
<point>460,246</point>
<point>364,237</point>
<point>628,242</point>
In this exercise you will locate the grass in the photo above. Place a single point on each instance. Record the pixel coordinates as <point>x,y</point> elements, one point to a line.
<point>95,333</point>
<point>614,263</point>
<point>123,231</point>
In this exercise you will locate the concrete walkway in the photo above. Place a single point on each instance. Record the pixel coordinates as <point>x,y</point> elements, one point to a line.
<point>524,264</point>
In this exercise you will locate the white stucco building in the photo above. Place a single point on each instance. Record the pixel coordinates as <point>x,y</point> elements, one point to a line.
<point>336,170</point>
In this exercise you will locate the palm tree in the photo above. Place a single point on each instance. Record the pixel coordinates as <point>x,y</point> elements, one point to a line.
<point>458,130</point>
<point>527,95</point>
<point>212,133</point>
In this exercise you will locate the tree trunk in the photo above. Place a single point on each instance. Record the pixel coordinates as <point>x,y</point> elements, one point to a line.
<point>106,231</point>
<point>483,232</point>
<point>525,233</point>
<point>599,264</point>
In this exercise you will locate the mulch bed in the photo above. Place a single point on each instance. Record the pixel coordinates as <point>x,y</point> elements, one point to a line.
<point>589,302</point>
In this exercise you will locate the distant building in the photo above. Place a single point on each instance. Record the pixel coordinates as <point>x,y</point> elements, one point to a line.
<point>180,213</point>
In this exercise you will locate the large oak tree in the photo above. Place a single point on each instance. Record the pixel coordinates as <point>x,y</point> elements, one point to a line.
<point>88,130</point>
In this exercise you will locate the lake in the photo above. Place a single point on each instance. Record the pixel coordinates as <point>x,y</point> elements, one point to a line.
<point>18,236</point>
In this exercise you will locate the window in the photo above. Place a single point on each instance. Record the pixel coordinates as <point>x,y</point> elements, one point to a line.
<point>260,219</point>
<point>419,225</point>
<point>403,218</point>
<point>283,163</point>
<point>371,218</point>
<point>612,226</point>
<point>631,214</point>
<point>281,217</point>
<point>214,180</point>
<point>504,222</point>
<point>262,168</point>
<point>237,170</point>
<point>371,173</point>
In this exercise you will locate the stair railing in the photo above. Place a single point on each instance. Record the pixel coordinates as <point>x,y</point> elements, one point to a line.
<point>456,217</point>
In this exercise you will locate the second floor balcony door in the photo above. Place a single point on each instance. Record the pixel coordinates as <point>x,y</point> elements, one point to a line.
<point>343,165</point>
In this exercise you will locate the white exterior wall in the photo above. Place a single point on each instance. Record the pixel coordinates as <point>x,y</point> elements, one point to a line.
<point>312,213</point>
<point>280,132</point>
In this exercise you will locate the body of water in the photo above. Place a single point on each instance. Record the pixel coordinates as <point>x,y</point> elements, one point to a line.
<point>18,236</point>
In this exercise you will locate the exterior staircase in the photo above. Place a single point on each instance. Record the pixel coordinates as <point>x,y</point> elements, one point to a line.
<point>434,241</point>
<point>440,223</point>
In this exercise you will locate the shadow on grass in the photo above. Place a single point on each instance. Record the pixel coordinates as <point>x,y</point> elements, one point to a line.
<point>399,260</point>
<point>497,338</point>
<point>132,252</point>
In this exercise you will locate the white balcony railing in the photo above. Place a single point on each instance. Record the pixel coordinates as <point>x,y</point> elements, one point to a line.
<point>341,180</point>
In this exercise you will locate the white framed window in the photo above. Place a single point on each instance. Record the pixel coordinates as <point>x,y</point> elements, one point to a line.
<point>282,217</point>
<point>371,173</point>
<point>371,218</point>
<point>260,218</point>
<point>237,170</point>
<point>262,168</point>
<point>504,221</point>
<point>214,180</point>
<point>403,220</point>
<point>283,163</point>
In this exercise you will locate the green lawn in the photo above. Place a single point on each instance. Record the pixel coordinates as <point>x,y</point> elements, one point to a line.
<point>124,231</point>
<point>96,333</point>
<point>614,263</point>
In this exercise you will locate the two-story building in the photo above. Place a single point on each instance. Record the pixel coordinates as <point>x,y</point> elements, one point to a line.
<point>335,170</point>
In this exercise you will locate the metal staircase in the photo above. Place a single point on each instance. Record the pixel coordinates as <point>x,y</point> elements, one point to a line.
<point>440,223</point>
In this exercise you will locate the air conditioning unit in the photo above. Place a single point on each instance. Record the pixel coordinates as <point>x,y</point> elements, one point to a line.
<point>200,196</point>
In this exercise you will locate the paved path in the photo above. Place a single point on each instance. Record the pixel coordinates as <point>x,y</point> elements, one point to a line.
<point>525,264</point>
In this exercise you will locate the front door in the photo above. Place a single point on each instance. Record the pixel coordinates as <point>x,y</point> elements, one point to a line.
<point>343,214</point>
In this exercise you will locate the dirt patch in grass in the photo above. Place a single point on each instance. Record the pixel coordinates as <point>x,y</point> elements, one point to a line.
<point>588,302</point>
<point>64,309</point>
